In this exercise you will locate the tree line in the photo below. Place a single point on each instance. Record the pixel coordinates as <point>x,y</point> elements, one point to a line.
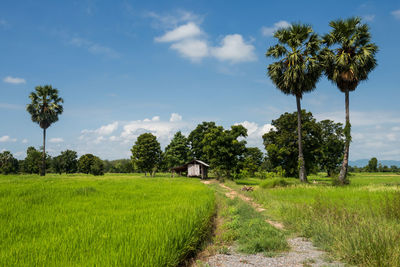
<point>374,166</point>
<point>225,150</point>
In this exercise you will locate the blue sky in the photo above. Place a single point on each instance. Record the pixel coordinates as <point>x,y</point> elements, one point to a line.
<point>128,67</point>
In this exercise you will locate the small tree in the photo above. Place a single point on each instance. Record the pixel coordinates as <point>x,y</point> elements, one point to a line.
<point>56,164</point>
<point>332,146</point>
<point>69,161</point>
<point>89,163</point>
<point>146,153</point>
<point>281,147</point>
<point>177,152</point>
<point>44,108</point>
<point>8,164</point>
<point>97,166</point>
<point>196,138</point>
<point>85,162</point>
<point>253,159</point>
<point>372,165</point>
<point>224,150</point>
<point>32,162</point>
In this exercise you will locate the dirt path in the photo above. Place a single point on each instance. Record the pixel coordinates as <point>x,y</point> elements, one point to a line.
<point>302,252</point>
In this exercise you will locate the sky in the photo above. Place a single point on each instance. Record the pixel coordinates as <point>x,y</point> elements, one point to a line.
<point>128,67</point>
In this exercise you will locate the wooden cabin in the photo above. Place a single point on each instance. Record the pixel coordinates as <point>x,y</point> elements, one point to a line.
<point>195,168</point>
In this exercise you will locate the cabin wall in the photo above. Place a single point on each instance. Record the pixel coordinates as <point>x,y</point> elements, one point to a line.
<point>194,170</point>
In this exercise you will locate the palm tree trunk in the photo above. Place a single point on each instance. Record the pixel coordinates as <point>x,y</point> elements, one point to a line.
<point>302,168</point>
<point>43,171</point>
<point>343,171</point>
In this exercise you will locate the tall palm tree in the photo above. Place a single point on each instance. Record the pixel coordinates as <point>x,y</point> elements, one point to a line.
<point>297,70</point>
<point>348,59</point>
<point>44,109</point>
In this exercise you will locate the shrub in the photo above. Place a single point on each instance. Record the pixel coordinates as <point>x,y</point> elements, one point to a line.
<point>271,183</point>
<point>265,175</point>
<point>246,182</point>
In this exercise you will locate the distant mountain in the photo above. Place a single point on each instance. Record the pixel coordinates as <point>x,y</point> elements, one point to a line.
<point>364,162</point>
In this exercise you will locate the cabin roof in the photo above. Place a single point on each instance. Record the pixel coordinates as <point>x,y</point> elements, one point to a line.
<point>184,167</point>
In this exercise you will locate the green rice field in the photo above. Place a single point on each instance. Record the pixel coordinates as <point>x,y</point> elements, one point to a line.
<point>115,220</point>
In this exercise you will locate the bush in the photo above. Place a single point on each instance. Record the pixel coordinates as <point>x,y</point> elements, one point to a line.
<point>265,175</point>
<point>246,182</point>
<point>243,174</point>
<point>271,183</point>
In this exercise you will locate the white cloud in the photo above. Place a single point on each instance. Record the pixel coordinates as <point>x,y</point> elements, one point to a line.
<point>13,80</point>
<point>7,138</point>
<point>172,20</point>
<point>104,130</point>
<point>255,132</point>
<point>396,13</point>
<point>189,30</point>
<point>125,136</point>
<point>234,49</point>
<point>195,50</point>
<point>99,139</point>
<point>369,17</point>
<point>164,130</point>
<point>56,140</point>
<point>190,42</point>
<point>94,48</point>
<point>175,117</point>
<point>24,141</point>
<point>269,31</point>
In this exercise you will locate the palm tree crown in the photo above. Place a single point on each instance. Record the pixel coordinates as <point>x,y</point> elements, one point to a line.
<point>352,56</point>
<point>298,69</point>
<point>45,106</point>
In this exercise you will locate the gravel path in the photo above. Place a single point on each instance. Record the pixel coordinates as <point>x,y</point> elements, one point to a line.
<point>302,252</point>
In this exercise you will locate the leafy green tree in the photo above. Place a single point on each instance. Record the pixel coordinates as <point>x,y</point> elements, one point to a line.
<point>223,149</point>
<point>118,166</point>
<point>253,159</point>
<point>348,59</point>
<point>8,164</point>
<point>89,163</point>
<point>332,145</point>
<point>33,161</point>
<point>146,153</point>
<point>69,161</point>
<point>372,165</point>
<point>56,164</point>
<point>281,147</point>
<point>177,152</point>
<point>297,71</point>
<point>196,138</point>
<point>44,108</point>
<point>394,168</point>
<point>85,163</point>
<point>97,166</point>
